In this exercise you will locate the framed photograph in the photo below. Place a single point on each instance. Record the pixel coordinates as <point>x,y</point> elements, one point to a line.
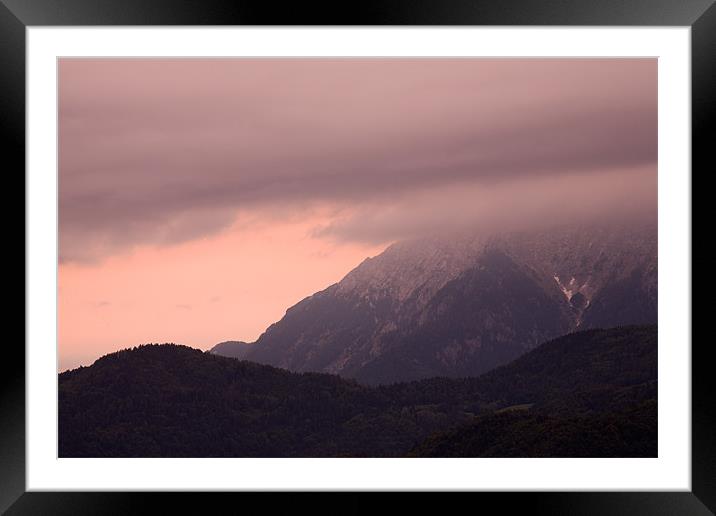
<point>417,248</point>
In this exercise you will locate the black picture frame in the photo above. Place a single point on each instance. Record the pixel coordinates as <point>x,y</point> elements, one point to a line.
<point>16,15</point>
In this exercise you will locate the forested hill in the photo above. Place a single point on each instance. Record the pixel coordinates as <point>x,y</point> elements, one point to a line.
<point>519,432</point>
<point>169,400</point>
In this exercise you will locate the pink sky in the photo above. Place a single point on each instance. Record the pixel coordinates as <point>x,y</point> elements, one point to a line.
<point>226,286</point>
<point>200,198</point>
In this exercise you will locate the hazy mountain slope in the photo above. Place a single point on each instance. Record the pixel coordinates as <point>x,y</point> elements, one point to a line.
<point>488,315</point>
<point>609,270</point>
<point>231,348</point>
<point>462,304</point>
<point>168,400</point>
<point>346,324</point>
<point>630,299</point>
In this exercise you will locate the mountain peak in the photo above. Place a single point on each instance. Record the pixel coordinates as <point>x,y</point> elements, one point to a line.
<point>407,266</point>
<point>460,304</point>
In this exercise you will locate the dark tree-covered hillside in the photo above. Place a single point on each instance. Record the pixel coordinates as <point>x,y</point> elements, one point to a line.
<point>520,433</point>
<point>591,393</point>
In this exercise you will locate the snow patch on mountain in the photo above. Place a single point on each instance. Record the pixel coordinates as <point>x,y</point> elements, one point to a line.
<point>568,292</point>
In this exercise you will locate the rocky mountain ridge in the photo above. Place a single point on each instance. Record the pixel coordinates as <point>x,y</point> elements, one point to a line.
<point>462,304</point>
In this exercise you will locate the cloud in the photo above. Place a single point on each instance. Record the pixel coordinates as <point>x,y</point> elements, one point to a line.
<point>163,151</point>
<point>507,206</point>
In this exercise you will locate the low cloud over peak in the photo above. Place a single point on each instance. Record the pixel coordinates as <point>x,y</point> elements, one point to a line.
<point>163,151</point>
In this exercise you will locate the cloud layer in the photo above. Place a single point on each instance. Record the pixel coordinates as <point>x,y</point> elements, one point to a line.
<point>164,151</point>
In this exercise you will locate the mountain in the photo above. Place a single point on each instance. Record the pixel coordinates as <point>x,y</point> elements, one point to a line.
<point>231,348</point>
<point>462,304</point>
<point>174,401</point>
<point>607,272</point>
